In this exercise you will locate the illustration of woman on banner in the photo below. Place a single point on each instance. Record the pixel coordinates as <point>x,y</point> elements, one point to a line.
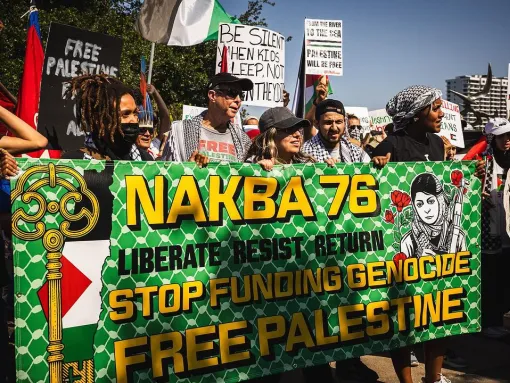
<point>435,228</point>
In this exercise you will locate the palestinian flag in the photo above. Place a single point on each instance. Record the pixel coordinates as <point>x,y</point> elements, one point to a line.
<point>181,22</point>
<point>311,83</point>
<point>82,263</point>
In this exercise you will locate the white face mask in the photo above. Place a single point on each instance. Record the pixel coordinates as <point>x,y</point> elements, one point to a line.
<point>247,128</point>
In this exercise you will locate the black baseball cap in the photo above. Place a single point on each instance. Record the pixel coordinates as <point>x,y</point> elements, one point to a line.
<point>280,118</point>
<point>227,78</point>
<point>329,105</point>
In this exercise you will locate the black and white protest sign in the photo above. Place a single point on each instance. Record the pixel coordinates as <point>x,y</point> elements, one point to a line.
<point>258,54</point>
<point>323,47</point>
<point>71,52</point>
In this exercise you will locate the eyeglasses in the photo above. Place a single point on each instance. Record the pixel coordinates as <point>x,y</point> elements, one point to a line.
<point>231,93</point>
<point>144,130</point>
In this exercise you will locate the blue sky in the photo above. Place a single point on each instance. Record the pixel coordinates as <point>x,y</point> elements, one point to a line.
<point>391,44</point>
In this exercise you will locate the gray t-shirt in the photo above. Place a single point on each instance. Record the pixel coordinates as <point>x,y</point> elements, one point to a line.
<point>217,146</point>
<point>335,153</point>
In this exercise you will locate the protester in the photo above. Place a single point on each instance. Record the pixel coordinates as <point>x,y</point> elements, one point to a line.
<point>144,140</point>
<point>495,240</point>
<point>106,111</point>
<point>354,128</point>
<point>280,139</point>
<point>279,142</point>
<point>251,127</point>
<point>332,141</point>
<point>212,132</point>
<point>417,115</point>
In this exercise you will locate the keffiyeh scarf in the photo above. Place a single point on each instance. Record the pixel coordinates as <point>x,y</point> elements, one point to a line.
<point>407,103</point>
<point>349,153</point>
<point>185,136</point>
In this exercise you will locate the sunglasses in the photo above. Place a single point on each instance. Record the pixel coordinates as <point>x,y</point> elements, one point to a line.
<point>144,130</point>
<point>291,130</point>
<point>231,93</point>
<point>355,127</point>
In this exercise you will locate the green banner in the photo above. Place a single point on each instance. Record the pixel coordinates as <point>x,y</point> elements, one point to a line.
<point>133,272</point>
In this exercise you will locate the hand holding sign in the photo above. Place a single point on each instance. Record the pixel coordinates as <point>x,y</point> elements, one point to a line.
<point>321,90</point>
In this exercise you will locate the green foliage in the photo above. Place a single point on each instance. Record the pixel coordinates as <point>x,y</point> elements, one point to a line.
<point>180,73</point>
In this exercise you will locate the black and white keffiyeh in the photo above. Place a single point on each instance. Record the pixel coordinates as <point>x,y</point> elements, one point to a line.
<point>407,103</point>
<point>349,153</point>
<point>184,139</point>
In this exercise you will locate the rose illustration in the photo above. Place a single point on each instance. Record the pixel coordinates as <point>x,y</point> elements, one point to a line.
<point>399,257</point>
<point>389,216</point>
<point>456,177</point>
<point>400,199</point>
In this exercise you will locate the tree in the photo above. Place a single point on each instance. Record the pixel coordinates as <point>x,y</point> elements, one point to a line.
<point>181,73</point>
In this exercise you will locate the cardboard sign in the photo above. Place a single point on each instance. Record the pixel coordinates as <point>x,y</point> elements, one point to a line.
<point>379,119</point>
<point>258,54</point>
<point>362,114</point>
<point>71,52</point>
<point>323,47</point>
<point>451,126</point>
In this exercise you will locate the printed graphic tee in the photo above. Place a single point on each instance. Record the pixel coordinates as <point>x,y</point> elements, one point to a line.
<point>217,146</point>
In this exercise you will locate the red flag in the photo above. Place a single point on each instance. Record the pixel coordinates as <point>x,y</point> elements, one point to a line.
<point>224,61</point>
<point>8,102</point>
<point>30,88</point>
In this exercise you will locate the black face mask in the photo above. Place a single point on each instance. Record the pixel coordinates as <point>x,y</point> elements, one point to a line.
<point>123,144</point>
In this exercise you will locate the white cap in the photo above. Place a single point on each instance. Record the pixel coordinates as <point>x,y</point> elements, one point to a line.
<point>497,126</point>
<point>248,118</point>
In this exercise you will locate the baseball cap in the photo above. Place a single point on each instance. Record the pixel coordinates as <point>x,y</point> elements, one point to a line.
<point>280,118</point>
<point>227,78</point>
<point>497,126</point>
<point>329,105</point>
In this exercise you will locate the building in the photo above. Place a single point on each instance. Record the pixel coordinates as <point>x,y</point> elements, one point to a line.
<point>492,104</point>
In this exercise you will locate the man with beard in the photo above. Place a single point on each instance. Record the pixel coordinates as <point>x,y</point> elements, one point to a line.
<point>332,140</point>
<point>212,133</point>
<point>331,144</point>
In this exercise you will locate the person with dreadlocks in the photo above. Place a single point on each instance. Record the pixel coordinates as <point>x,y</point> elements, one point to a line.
<point>107,112</point>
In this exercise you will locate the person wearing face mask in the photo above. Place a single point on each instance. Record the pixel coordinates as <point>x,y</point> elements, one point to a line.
<point>212,133</point>
<point>332,140</point>
<point>108,114</point>
<point>355,129</point>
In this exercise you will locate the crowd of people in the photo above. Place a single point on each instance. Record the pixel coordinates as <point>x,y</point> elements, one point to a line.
<point>108,111</point>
